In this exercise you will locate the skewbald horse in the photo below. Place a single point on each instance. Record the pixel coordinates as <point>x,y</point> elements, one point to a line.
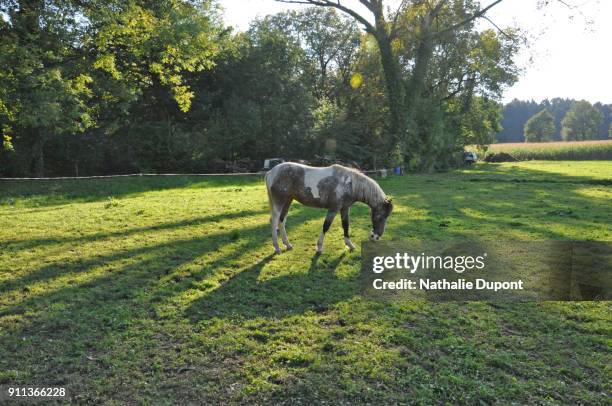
<point>335,188</point>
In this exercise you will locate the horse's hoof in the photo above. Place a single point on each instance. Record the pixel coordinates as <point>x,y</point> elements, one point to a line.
<point>351,249</point>
<point>277,250</point>
<point>289,247</point>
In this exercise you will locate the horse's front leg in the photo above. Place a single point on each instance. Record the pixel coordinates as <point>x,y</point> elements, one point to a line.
<point>275,221</point>
<point>326,224</point>
<point>344,213</point>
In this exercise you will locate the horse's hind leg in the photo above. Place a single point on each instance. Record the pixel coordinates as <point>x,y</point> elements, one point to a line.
<point>283,222</point>
<point>328,221</point>
<point>344,213</point>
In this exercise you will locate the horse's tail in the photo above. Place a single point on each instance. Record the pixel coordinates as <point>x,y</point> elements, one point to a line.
<point>269,190</point>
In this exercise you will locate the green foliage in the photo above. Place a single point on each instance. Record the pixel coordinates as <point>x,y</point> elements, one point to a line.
<point>85,67</point>
<point>127,86</point>
<point>581,122</point>
<point>330,42</point>
<point>540,127</point>
<point>454,82</point>
<point>7,144</point>
<point>159,43</point>
<point>260,104</point>
<point>480,123</point>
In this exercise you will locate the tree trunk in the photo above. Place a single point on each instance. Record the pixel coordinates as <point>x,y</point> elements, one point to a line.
<point>419,73</point>
<point>39,157</point>
<point>323,80</point>
<point>395,89</point>
<point>417,141</point>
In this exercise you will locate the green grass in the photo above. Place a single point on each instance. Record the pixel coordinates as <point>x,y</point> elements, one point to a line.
<point>556,151</point>
<point>164,290</point>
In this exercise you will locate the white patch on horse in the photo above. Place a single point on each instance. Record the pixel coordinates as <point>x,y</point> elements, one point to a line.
<point>270,176</point>
<point>313,177</point>
<point>343,187</point>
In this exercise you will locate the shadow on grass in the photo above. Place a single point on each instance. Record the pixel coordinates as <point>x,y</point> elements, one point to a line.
<point>80,328</point>
<point>164,257</point>
<point>446,353</point>
<point>71,320</point>
<point>247,295</point>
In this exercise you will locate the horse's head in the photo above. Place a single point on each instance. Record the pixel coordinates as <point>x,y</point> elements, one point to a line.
<point>380,213</point>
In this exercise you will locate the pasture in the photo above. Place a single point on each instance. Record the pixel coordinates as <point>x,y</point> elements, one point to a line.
<point>165,290</point>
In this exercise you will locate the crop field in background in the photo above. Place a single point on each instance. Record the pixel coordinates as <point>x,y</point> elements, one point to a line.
<point>556,151</point>
<point>165,291</point>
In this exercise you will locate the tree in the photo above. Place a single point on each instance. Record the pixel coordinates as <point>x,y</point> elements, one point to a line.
<point>515,115</point>
<point>606,110</point>
<point>581,122</point>
<point>78,66</point>
<point>383,27</point>
<point>540,127</point>
<point>42,96</point>
<point>259,102</point>
<point>559,108</point>
<point>480,123</point>
<point>330,42</point>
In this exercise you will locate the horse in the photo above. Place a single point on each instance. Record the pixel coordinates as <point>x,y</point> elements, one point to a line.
<point>335,188</point>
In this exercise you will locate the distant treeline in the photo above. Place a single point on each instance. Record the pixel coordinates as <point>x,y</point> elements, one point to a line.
<point>517,112</point>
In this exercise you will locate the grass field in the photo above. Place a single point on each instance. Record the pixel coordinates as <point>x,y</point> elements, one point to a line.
<point>164,290</point>
<point>556,151</point>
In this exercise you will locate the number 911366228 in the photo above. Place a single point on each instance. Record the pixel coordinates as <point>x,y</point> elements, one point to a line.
<point>21,392</point>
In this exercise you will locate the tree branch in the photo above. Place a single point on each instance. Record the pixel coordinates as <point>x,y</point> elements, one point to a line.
<point>368,4</point>
<point>393,32</point>
<point>337,5</point>
<point>504,33</point>
<point>468,20</point>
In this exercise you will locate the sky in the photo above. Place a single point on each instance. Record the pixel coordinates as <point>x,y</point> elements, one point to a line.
<point>570,53</point>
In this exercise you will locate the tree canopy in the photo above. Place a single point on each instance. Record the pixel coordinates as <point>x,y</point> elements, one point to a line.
<point>581,122</point>
<point>77,69</point>
<point>419,41</point>
<point>540,127</point>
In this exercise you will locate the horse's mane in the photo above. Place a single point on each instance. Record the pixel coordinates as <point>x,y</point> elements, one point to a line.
<point>365,189</point>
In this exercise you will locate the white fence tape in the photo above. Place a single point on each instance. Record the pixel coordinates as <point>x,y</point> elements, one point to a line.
<point>382,172</point>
